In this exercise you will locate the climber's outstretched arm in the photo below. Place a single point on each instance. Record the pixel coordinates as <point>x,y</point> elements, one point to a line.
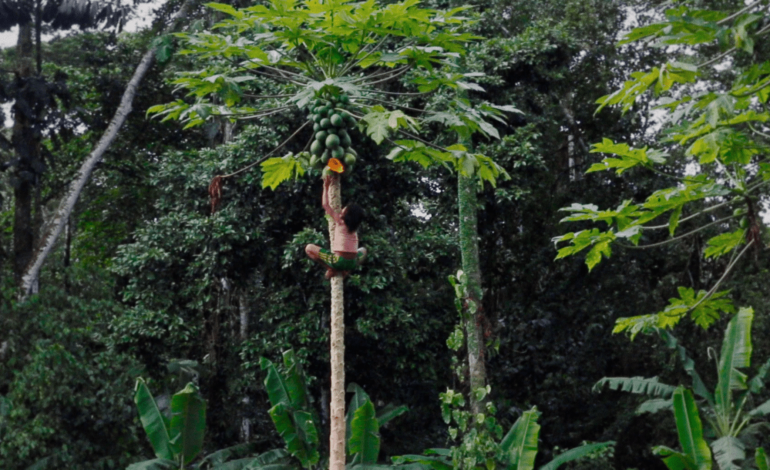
<point>325,201</point>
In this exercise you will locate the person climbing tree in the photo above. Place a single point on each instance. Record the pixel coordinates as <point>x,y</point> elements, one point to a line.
<point>345,254</point>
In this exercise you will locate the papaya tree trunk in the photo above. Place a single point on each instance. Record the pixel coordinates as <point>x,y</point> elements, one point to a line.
<point>337,432</point>
<point>473,317</point>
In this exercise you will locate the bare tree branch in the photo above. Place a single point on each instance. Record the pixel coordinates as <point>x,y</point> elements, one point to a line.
<point>53,229</point>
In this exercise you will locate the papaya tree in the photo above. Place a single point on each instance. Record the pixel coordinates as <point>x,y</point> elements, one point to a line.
<point>339,63</point>
<point>711,98</point>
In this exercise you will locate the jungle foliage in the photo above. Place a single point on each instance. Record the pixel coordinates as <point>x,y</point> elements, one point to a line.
<point>148,282</point>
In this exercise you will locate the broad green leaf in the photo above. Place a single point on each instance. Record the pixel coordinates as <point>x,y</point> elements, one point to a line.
<point>274,466</point>
<point>724,243</point>
<point>636,385</point>
<point>295,382</point>
<point>688,364</point>
<point>188,423</point>
<point>228,453</point>
<point>360,397</point>
<point>690,429</point>
<point>276,170</point>
<point>307,432</point>
<point>291,436</point>
<point>629,157</point>
<point>365,434</point>
<point>727,450</point>
<point>432,462</point>
<point>654,405</point>
<point>519,446</point>
<point>761,410</point>
<point>674,460</point>
<point>576,453</point>
<point>760,458</point>
<point>735,354</point>
<point>153,421</point>
<point>757,383</point>
<point>275,386</point>
<point>155,464</point>
<point>389,412</point>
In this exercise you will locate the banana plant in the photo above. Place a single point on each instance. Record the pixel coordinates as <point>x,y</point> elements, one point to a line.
<point>726,409</point>
<point>516,451</point>
<point>177,440</point>
<point>297,423</point>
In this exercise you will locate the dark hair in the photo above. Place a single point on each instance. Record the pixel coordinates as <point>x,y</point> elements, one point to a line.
<point>353,217</point>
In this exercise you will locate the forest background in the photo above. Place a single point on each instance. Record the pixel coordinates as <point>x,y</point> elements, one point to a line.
<point>145,281</point>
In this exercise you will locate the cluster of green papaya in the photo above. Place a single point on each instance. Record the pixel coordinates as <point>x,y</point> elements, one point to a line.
<point>331,123</point>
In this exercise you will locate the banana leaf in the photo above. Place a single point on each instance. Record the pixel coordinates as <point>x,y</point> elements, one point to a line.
<point>690,429</point>
<point>727,450</point>
<point>638,385</point>
<point>575,453</point>
<point>276,388</point>
<point>761,410</point>
<point>698,386</point>
<point>223,455</point>
<point>654,405</point>
<point>306,428</point>
<point>238,464</point>
<point>296,385</point>
<point>365,434</point>
<point>389,412</point>
<point>519,446</point>
<point>308,456</point>
<point>275,459</point>
<point>674,460</point>
<point>274,466</point>
<point>757,383</point>
<point>432,462</point>
<point>154,464</point>
<point>359,398</point>
<point>188,423</point>
<point>153,421</point>
<point>735,354</point>
<point>761,459</point>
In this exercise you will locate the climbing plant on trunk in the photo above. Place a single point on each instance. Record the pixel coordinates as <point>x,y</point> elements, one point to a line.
<point>336,62</point>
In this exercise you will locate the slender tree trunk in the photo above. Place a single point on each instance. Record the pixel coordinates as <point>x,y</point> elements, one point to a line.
<point>337,433</point>
<point>25,146</point>
<point>54,228</point>
<point>474,320</point>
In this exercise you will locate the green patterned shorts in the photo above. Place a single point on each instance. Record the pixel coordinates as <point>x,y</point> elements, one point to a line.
<point>337,262</point>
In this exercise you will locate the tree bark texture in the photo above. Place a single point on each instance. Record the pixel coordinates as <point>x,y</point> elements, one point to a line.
<point>337,433</point>
<point>469,249</point>
<point>67,204</point>
<point>25,147</point>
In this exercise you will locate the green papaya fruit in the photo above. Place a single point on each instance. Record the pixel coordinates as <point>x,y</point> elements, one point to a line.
<point>332,141</point>
<point>317,147</point>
